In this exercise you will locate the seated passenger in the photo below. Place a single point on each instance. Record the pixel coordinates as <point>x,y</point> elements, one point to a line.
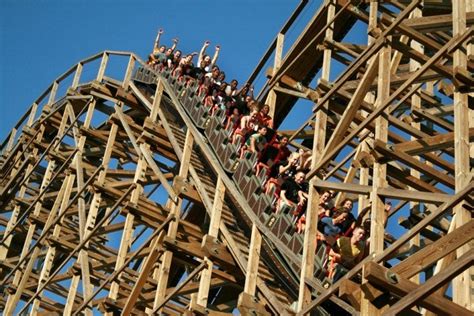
<point>276,151</point>
<point>347,251</point>
<point>324,210</point>
<point>256,142</point>
<point>329,226</point>
<point>294,192</point>
<point>350,222</point>
<point>213,75</point>
<point>280,171</point>
<point>247,125</point>
<point>233,120</point>
<point>157,55</point>
<point>264,118</point>
<point>221,79</point>
<point>232,88</point>
<point>173,60</point>
<point>185,66</point>
<point>243,99</point>
<point>205,60</point>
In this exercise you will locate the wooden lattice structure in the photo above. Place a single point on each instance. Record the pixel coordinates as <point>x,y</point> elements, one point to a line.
<point>122,195</point>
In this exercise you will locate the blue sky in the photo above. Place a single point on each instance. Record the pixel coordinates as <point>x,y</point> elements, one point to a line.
<point>40,39</point>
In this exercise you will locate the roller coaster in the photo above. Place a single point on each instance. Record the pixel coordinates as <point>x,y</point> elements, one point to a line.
<point>127,196</point>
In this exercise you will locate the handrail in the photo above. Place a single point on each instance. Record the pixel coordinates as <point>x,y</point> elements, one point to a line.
<point>72,70</point>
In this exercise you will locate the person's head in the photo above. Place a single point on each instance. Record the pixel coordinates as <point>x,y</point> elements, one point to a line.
<point>222,76</point>
<point>207,60</point>
<point>235,111</point>
<point>248,99</point>
<point>177,54</point>
<point>262,130</point>
<point>233,84</point>
<point>283,141</point>
<point>215,72</point>
<point>265,109</point>
<point>299,177</point>
<point>325,197</point>
<point>169,51</point>
<point>293,159</point>
<point>162,49</point>
<point>223,86</point>
<point>340,215</point>
<point>253,106</point>
<point>358,234</point>
<point>189,58</point>
<point>347,203</point>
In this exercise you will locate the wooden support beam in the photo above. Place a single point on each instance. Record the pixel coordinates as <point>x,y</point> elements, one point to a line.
<point>431,143</point>
<point>144,273</point>
<point>216,214</point>
<point>425,257</point>
<point>253,262</point>
<point>390,152</point>
<point>402,287</point>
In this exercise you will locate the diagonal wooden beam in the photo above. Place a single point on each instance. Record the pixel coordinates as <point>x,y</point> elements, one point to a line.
<point>431,143</point>
<point>392,153</point>
<point>423,258</point>
<point>400,286</point>
<point>144,273</point>
<point>379,110</point>
<point>354,105</point>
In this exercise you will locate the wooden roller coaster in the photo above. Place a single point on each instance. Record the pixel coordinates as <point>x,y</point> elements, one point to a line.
<point>125,196</point>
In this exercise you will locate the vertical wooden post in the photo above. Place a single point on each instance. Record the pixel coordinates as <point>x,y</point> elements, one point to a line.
<point>319,139</point>
<point>272,96</point>
<point>77,76</point>
<point>128,72</point>
<point>52,93</point>
<point>103,66</point>
<point>253,262</point>
<point>163,273</point>
<point>216,214</point>
<point>415,104</point>
<point>377,215</point>
<point>31,117</point>
<point>462,284</point>
<point>71,295</point>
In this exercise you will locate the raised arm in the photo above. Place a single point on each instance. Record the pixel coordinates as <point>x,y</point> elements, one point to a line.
<point>202,52</point>
<point>216,55</point>
<point>157,41</point>
<point>175,43</point>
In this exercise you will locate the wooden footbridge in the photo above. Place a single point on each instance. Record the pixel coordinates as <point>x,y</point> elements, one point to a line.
<point>123,195</point>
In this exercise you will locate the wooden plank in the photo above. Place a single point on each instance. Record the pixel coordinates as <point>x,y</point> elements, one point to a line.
<point>354,104</point>
<point>423,258</point>
<point>417,196</point>
<point>431,143</point>
<point>402,287</point>
<point>251,274</point>
<point>144,273</point>
<point>343,187</point>
<point>216,214</point>
<point>407,159</point>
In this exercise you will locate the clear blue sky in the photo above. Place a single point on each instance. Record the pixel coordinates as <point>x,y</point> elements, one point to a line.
<point>41,39</point>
